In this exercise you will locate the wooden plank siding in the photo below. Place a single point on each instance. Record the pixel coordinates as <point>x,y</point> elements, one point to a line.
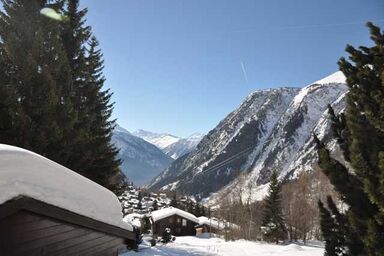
<point>174,222</point>
<point>207,229</point>
<point>31,227</point>
<point>25,233</point>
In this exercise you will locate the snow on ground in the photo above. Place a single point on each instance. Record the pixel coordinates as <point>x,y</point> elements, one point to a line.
<point>193,246</point>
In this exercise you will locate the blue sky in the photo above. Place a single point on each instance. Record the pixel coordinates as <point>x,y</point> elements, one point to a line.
<point>181,66</point>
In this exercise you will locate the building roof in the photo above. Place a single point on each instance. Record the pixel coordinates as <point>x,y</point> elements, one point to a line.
<point>24,173</point>
<point>215,223</point>
<point>166,212</point>
<point>211,222</point>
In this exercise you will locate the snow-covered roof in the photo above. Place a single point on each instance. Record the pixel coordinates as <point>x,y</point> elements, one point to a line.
<point>215,223</point>
<point>24,173</point>
<point>211,222</point>
<point>166,212</point>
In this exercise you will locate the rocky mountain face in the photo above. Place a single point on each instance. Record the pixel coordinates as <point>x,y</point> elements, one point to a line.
<point>271,130</point>
<point>141,161</point>
<point>171,145</point>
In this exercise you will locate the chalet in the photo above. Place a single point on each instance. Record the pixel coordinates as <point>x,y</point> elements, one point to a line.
<point>180,222</point>
<point>213,225</point>
<point>47,209</point>
<point>207,225</point>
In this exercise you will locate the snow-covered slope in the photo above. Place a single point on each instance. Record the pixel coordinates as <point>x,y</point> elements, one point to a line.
<point>271,130</point>
<point>219,156</point>
<point>183,146</point>
<point>160,140</point>
<point>141,161</point>
<point>171,145</point>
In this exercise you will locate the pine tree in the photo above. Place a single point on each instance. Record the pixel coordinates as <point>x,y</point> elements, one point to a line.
<point>75,35</point>
<point>190,206</point>
<point>273,222</point>
<point>36,109</point>
<point>332,224</point>
<point>51,85</point>
<point>103,164</point>
<point>93,155</point>
<point>202,210</point>
<point>197,210</point>
<point>122,186</point>
<point>174,202</point>
<point>10,112</point>
<point>360,132</point>
<point>155,205</point>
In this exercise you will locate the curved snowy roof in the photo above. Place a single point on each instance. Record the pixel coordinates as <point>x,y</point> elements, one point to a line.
<point>215,223</point>
<point>24,173</point>
<point>211,222</point>
<point>166,212</point>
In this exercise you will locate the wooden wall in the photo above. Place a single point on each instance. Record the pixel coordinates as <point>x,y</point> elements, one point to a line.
<point>25,233</point>
<point>207,229</point>
<point>176,227</point>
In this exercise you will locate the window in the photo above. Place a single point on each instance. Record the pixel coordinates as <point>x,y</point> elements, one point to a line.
<point>171,220</point>
<point>178,220</point>
<point>184,223</point>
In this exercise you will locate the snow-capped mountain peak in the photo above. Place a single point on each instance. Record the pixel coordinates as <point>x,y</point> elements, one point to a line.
<point>118,128</point>
<point>271,130</point>
<point>141,160</point>
<point>170,144</point>
<point>160,140</point>
<point>337,77</point>
<point>195,136</point>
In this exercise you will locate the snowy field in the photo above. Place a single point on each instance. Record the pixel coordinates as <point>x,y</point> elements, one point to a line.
<point>193,246</point>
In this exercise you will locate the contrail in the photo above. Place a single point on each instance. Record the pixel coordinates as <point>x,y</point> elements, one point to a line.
<point>244,72</point>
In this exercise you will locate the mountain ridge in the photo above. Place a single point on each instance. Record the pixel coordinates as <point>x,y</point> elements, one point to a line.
<point>269,130</point>
<point>140,159</point>
<point>171,145</point>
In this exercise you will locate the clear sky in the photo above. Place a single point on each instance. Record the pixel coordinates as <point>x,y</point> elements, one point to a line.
<point>180,66</point>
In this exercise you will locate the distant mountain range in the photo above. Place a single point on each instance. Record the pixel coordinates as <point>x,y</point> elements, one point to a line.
<point>171,145</point>
<point>140,159</point>
<point>271,130</point>
<point>143,159</point>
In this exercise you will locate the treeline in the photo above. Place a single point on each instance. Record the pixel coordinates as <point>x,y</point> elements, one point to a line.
<point>52,99</point>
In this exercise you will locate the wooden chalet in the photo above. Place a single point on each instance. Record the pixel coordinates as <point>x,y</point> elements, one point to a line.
<point>46,209</point>
<point>180,222</point>
<point>207,225</point>
<point>213,225</point>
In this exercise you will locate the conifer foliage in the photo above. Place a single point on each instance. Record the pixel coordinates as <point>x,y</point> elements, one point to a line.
<point>359,230</point>
<point>52,99</point>
<point>273,227</point>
